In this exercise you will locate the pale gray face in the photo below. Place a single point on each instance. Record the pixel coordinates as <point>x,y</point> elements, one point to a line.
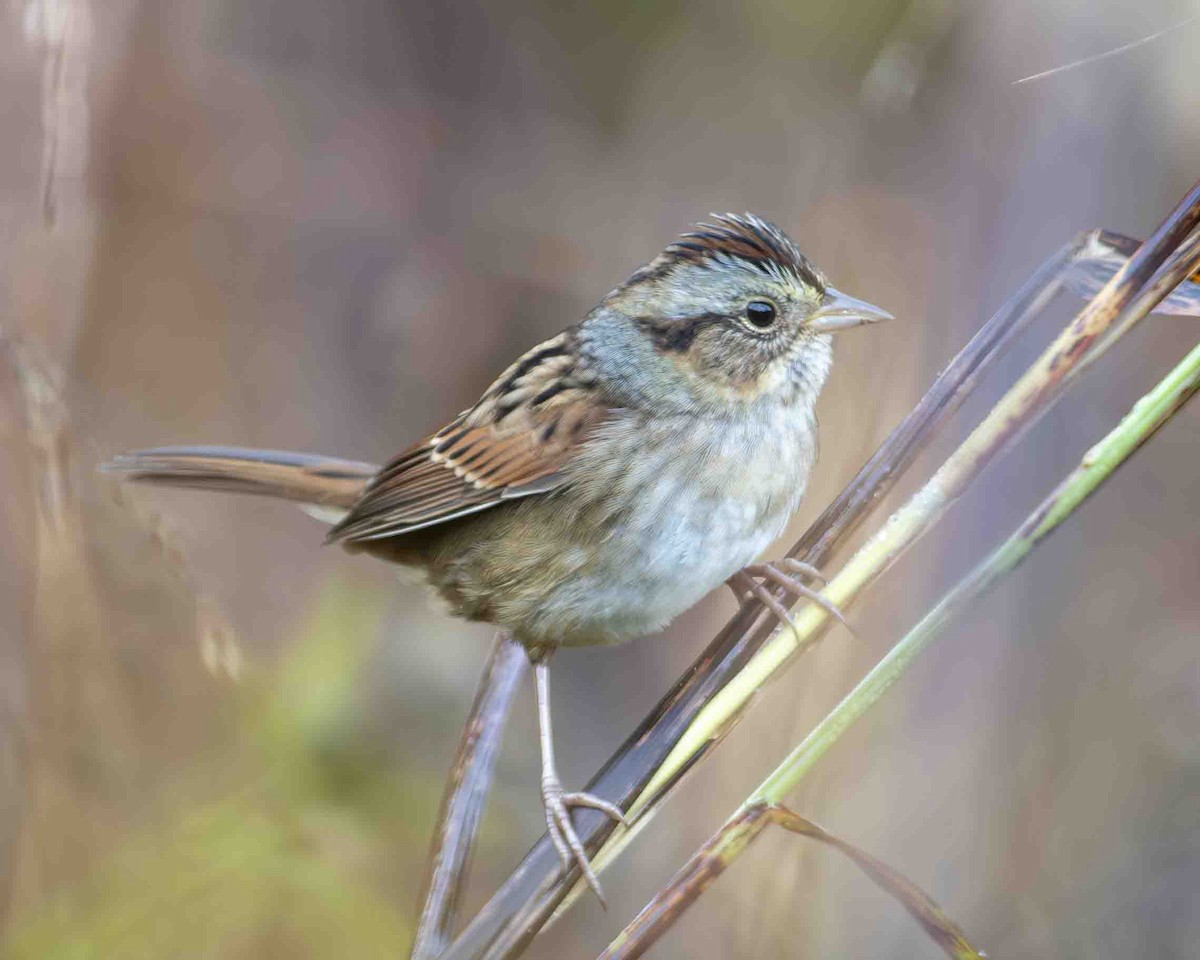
<point>725,315</point>
<point>729,323</point>
<point>728,306</point>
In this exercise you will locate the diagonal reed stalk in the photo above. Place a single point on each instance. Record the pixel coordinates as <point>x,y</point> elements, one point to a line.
<point>1098,464</point>
<point>466,796</point>
<point>706,701</point>
<point>735,835</point>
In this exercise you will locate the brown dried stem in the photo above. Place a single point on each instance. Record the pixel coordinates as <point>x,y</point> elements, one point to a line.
<point>465,796</point>
<point>735,835</point>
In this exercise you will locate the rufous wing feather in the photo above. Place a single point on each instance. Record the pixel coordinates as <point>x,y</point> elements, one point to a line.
<point>513,443</point>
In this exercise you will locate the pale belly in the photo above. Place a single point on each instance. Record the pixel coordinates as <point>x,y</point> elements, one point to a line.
<point>656,522</point>
<point>660,563</point>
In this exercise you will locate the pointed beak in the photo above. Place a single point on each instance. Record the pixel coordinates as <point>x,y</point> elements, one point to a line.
<point>839,311</point>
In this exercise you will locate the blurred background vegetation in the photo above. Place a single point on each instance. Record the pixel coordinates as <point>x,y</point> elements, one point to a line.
<point>319,226</point>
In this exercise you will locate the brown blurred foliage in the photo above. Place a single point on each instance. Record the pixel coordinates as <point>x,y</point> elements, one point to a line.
<point>324,226</point>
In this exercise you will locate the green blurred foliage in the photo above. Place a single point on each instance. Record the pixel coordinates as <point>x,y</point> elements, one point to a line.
<point>282,864</point>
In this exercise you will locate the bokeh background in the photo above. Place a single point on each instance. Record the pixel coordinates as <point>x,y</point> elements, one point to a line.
<point>326,226</point>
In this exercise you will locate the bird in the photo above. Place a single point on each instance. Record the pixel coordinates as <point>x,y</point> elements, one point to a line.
<point>610,477</point>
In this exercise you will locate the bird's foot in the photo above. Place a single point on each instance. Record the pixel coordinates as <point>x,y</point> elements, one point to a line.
<point>754,583</point>
<point>558,804</point>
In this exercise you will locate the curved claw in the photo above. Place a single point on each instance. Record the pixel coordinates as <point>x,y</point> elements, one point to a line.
<point>792,565</point>
<point>778,574</point>
<point>757,591</point>
<point>562,832</point>
<point>580,799</point>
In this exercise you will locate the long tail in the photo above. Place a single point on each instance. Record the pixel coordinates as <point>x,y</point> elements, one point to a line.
<point>326,487</point>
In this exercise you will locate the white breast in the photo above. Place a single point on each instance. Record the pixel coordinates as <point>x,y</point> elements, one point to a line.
<point>689,508</point>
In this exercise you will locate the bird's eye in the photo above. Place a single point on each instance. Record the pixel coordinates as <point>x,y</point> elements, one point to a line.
<point>760,313</point>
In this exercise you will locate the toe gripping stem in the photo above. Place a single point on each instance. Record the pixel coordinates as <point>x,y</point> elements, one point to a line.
<point>755,580</point>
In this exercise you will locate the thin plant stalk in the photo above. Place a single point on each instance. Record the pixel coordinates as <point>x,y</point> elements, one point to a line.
<point>527,900</point>
<point>1179,268</point>
<point>466,796</point>
<point>742,829</point>
<point>1146,417</point>
<point>1098,464</point>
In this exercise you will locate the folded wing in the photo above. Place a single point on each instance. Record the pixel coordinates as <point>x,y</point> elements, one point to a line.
<point>513,443</point>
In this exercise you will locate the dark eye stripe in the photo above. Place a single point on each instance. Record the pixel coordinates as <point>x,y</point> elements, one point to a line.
<point>675,334</point>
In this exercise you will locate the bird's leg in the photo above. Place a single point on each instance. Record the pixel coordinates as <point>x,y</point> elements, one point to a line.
<point>753,582</point>
<point>555,800</point>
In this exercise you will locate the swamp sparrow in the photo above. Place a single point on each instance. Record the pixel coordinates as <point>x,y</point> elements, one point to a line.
<point>609,478</point>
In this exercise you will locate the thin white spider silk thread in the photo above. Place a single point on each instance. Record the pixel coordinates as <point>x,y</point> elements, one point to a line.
<point>1107,53</point>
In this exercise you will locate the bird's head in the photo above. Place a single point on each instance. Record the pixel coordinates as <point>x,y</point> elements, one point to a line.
<point>733,311</point>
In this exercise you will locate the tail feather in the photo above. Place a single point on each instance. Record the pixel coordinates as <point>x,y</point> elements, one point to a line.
<point>327,484</point>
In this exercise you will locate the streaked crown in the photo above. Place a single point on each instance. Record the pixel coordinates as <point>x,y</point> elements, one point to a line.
<point>749,239</point>
<point>733,240</point>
